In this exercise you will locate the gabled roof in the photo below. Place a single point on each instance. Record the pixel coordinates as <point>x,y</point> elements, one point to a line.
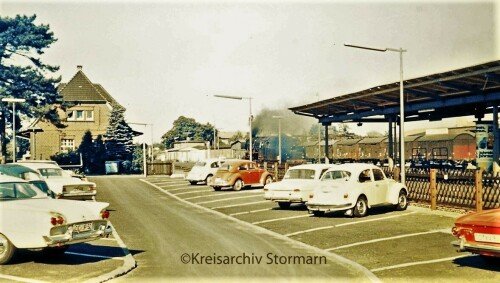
<point>81,89</point>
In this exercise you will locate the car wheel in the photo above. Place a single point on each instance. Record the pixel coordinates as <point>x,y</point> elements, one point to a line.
<point>284,205</point>
<point>318,213</point>
<point>402,201</point>
<point>216,188</point>
<point>7,250</point>
<point>193,182</point>
<point>361,207</point>
<point>268,180</point>
<point>237,185</point>
<point>208,179</point>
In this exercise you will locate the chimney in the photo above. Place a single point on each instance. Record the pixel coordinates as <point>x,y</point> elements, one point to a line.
<point>79,67</point>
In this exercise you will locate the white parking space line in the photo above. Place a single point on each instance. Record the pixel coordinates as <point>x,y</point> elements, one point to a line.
<point>179,189</point>
<point>223,199</point>
<point>346,224</point>
<point>251,211</point>
<point>96,256</point>
<point>419,263</point>
<point>175,185</point>
<point>280,219</point>
<point>20,279</point>
<point>388,239</point>
<point>169,182</point>
<point>225,193</point>
<point>236,205</point>
<point>375,219</point>
<point>193,192</point>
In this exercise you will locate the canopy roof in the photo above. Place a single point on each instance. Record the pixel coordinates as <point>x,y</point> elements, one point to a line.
<point>462,92</point>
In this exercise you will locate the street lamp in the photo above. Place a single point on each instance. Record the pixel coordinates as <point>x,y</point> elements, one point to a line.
<point>13,101</point>
<point>279,137</point>
<point>143,148</point>
<point>401,101</point>
<point>250,118</point>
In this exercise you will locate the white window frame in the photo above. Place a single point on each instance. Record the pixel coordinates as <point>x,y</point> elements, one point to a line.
<point>67,145</point>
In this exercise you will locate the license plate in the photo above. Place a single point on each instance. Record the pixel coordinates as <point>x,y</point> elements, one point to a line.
<point>490,238</point>
<point>78,228</point>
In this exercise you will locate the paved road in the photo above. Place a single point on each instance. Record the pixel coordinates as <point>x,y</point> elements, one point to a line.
<point>162,232</point>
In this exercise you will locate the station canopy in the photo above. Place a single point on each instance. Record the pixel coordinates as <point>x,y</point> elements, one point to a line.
<point>468,91</point>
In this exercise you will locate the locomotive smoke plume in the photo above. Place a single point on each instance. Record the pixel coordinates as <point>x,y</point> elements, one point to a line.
<point>291,124</point>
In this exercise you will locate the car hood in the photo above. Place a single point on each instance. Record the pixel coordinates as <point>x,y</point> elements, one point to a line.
<point>73,211</point>
<point>487,218</point>
<point>291,184</point>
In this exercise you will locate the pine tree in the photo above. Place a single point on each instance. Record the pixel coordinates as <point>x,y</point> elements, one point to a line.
<point>86,149</point>
<point>119,136</point>
<point>100,156</point>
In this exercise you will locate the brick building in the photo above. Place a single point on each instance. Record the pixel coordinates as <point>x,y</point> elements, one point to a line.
<point>90,108</point>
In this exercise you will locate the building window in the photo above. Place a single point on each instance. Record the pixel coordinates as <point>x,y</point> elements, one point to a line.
<point>81,115</point>
<point>67,145</point>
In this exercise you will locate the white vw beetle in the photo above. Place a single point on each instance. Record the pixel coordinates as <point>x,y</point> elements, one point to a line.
<point>202,171</point>
<point>297,184</point>
<point>60,182</point>
<point>31,220</point>
<point>354,188</point>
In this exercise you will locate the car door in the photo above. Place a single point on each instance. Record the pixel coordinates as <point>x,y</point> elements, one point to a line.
<point>253,173</point>
<point>380,186</point>
<point>367,186</point>
<point>244,173</point>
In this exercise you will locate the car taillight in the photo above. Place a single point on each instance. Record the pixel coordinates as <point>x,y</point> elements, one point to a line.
<point>92,188</point>
<point>105,214</point>
<point>59,220</point>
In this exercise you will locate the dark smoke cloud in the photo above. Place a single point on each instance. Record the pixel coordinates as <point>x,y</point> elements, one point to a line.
<point>291,124</point>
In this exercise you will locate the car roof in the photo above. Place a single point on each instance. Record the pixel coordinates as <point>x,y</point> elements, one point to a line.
<point>40,165</point>
<point>313,166</point>
<point>15,169</point>
<point>354,167</point>
<point>10,179</point>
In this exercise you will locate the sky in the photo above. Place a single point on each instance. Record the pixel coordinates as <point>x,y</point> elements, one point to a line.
<point>165,59</point>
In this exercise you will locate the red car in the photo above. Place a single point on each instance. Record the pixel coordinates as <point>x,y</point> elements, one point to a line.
<point>237,174</point>
<point>479,233</point>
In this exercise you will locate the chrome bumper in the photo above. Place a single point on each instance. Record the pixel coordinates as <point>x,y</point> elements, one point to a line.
<point>328,207</point>
<point>464,246</point>
<point>69,237</point>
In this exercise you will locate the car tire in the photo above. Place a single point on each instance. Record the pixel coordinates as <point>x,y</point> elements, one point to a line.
<point>7,250</point>
<point>318,213</point>
<point>361,207</point>
<point>268,180</point>
<point>238,184</point>
<point>193,182</point>
<point>217,189</point>
<point>402,201</point>
<point>208,179</point>
<point>284,205</point>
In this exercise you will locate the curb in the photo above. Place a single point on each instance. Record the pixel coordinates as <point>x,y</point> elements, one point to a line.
<point>128,265</point>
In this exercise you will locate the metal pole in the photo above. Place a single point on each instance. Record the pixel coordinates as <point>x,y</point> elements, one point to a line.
<point>250,133</point>
<point>279,140</point>
<point>144,154</point>
<point>402,114</point>
<point>13,132</point>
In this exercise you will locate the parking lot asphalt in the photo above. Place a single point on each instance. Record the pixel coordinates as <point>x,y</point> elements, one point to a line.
<point>393,245</point>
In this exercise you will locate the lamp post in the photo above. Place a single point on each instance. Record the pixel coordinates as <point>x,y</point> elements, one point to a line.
<point>13,101</point>
<point>143,148</point>
<point>279,137</point>
<point>250,118</point>
<point>401,102</point>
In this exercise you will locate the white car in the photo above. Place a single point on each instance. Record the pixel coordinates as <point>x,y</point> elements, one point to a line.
<point>62,183</point>
<point>297,184</point>
<point>354,188</point>
<point>31,220</point>
<point>202,171</point>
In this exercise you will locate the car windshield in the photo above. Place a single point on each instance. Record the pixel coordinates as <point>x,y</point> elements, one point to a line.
<point>336,175</point>
<point>226,166</point>
<point>200,164</point>
<point>307,174</point>
<point>11,191</point>
<point>51,172</point>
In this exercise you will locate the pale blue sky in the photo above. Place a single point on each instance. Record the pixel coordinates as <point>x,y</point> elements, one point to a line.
<point>163,59</point>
